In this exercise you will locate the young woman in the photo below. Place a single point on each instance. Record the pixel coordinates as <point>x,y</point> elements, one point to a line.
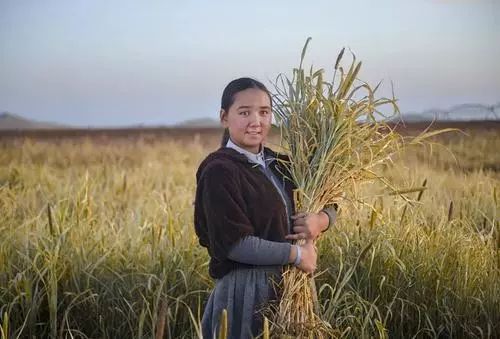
<point>243,215</point>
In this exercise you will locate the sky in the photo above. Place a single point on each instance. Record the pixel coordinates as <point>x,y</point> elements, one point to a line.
<point>114,63</point>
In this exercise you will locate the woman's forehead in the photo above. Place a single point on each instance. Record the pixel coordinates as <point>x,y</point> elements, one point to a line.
<point>251,97</point>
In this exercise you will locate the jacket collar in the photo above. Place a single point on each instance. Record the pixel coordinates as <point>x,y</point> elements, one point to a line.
<point>258,158</point>
<point>227,153</point>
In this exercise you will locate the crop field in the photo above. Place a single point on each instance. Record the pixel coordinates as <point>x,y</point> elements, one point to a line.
<point>97,239</point>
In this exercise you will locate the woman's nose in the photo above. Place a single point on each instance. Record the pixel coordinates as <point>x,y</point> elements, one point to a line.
<point>256,119</point>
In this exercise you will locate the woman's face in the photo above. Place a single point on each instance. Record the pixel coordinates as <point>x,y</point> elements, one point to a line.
<point>248,119</point>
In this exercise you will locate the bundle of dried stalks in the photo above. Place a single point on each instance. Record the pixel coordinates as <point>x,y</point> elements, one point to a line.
<point>334,141</point>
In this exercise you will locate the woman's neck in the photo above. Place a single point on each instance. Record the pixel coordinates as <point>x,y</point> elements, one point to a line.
<point>253,151</point>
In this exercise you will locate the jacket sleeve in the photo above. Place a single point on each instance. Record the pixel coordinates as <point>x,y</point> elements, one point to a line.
<point>224,209</point>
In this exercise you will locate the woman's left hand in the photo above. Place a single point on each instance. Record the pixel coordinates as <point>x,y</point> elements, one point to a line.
<point>308,225</point>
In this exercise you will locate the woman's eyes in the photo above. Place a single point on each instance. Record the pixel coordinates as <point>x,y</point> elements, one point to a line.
<point>248,112</point>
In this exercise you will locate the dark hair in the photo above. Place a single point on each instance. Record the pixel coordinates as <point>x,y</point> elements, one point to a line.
<point>231,90</point>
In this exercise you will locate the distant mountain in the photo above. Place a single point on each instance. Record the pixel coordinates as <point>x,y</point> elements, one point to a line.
<point>464,112</point>
<point>199,122</point>
<point>10,121</point>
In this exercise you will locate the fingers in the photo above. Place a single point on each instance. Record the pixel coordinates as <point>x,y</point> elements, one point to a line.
<point>296,236</point>
<point>299,222</point>
<point>299,229</point>
<point>299,215</point>
<point>299,233</point>
<point>309,270</point>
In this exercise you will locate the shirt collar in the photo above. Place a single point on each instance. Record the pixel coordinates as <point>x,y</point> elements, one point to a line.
<point>252,157</point>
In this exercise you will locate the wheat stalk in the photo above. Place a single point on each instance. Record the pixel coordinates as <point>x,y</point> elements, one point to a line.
<point>333,140</point>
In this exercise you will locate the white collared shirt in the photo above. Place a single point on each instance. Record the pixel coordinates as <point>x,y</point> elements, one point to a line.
<point>252,157</point>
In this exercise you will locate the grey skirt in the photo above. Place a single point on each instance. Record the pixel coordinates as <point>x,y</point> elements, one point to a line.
<point>243,292</point>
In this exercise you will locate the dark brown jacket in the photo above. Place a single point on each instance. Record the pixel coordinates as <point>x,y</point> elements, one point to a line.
<point>235,199</point>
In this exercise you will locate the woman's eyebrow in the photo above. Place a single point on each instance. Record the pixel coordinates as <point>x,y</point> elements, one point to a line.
<point>261,107</point>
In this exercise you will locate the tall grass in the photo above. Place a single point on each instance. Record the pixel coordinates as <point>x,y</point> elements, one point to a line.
<point>336,136</point>
<point>95,239</point>
<point>118,256</point>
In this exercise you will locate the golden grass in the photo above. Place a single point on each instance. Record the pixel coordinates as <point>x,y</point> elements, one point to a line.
<point>336,137</point>
<point>122,254</point>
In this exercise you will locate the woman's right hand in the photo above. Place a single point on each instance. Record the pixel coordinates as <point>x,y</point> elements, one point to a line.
<point>308,257</point>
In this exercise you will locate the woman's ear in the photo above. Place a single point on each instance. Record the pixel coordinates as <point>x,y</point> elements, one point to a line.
<point>223,118</point>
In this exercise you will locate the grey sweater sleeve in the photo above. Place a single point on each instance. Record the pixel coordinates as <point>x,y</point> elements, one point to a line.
<point>257,251</point>
<point>331,211</point>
